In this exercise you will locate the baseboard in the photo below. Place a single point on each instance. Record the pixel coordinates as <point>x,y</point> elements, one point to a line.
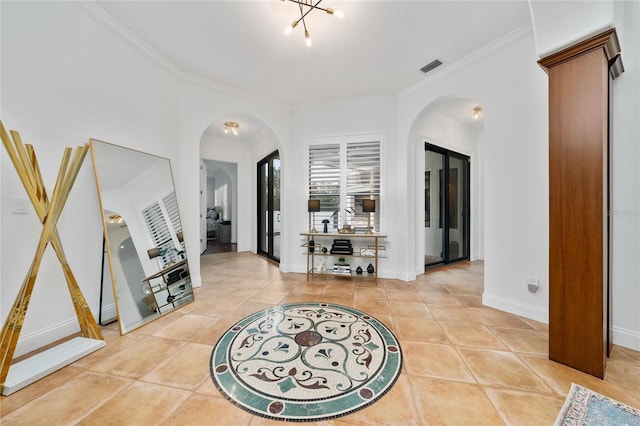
<point>196,280</point>
<point>398,275</point>
<point>36,367</point>
<point>108,312</point>
<point>621,337</point>
<point>515,307</point>
<point>30,342</point>
<point>627,338</point>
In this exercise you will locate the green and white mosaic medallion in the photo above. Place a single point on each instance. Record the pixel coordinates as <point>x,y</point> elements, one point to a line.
<point>306,362</point>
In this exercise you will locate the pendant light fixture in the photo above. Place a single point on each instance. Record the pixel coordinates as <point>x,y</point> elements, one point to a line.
<point>231,126</point>
<point>477,111</point>
<point>306,6</point>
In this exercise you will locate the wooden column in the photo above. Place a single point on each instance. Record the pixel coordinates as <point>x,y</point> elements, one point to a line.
<point>579,79</point>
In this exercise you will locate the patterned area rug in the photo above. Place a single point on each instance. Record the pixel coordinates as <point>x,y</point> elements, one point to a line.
<point>585,407</point>
<point>306,361</point>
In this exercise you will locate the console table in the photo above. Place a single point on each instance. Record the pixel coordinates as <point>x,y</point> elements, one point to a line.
<point>178,284</point>
<point>367,247</point>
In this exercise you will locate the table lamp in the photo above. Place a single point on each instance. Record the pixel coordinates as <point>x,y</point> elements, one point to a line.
<point>313,207</point>
<point>369,206</point>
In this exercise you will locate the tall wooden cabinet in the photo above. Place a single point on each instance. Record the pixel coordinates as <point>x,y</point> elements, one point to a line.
<point>579,146</point>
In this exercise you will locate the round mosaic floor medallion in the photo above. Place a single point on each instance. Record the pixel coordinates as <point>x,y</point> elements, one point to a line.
<point>306,361</point>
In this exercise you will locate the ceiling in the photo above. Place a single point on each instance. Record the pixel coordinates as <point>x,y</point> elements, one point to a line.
<point>376,50</point>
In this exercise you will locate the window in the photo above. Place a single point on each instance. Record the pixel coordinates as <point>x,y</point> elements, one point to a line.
<point>341,174</point>
<point>221,198</point>
<point>163,221</point>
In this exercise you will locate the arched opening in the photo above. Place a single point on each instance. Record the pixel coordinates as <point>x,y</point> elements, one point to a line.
<point>231,159</point>
<point>453,128</point>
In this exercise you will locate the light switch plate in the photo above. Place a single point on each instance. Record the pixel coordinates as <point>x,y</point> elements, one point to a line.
<point>20,206</point>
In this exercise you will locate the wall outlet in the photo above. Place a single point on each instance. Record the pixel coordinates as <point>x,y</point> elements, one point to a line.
<point>533,284</point>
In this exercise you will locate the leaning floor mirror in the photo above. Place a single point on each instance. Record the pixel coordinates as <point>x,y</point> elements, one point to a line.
<point>145,259</point>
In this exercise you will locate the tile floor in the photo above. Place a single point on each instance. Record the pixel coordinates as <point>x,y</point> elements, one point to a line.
<point>464,363</point>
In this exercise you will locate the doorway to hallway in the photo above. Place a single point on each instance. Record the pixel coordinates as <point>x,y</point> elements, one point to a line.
<point>447,206</point>
<point>218,206</point>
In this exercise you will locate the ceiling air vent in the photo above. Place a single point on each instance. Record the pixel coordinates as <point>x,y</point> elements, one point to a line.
<point>430,66</point>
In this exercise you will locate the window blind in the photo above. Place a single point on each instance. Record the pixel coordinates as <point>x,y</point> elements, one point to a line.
<point>363,181</point>
<point>325,181</point>
<point>158,216</point>
<point>171,205</point>
<point>341,175</point>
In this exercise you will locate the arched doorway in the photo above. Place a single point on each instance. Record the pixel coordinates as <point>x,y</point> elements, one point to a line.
<point>450,225</point>
<point>239,152</point>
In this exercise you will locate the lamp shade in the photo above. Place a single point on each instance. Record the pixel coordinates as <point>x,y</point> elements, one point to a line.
<point>154,252</point>
<point>314,205</point>
<point>368,206</point>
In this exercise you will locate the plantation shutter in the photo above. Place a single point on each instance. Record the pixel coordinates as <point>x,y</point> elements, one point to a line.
<point>341,175</point>
<point>171,205</point>
<point>158,222</point>
<point>324,181</point>
<point>363,181</point>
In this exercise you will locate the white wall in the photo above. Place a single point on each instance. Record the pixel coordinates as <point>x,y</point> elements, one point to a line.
<point>202,106</point>
<point>513,92</point>
<point>625,212</point>
<point>65,79</point>
<point>558,24</point>
<point>434,127</point>
<point>505,79</point>
<point>97,86</point>
<point>344,118</point>
<point>561,25</point>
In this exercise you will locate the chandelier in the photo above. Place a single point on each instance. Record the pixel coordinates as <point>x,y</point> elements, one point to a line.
<point>306,6</point>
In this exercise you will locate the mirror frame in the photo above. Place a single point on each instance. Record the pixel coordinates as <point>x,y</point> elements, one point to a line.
<point>126,328</point>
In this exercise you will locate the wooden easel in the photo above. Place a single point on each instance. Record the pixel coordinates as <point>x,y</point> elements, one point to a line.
<point>24,159</point>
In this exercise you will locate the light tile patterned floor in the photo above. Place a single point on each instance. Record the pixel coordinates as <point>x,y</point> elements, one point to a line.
<point>464,363</point>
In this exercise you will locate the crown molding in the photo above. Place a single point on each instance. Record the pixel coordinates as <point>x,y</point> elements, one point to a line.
<point>469,60</point>
<point>227,90</point>
<point>91,9</point>
<point>115,27</point>
<point>607,40</point>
